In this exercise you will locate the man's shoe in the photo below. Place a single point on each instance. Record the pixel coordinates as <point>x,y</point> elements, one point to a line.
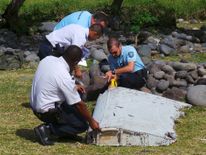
<point>42,132</point>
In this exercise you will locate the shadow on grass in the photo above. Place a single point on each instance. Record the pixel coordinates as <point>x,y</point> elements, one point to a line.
<point>27,134</point>
<point>72,139</point>
<point>26,105</point>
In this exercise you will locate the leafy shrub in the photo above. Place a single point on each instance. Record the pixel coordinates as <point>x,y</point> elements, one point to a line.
<point>140,19</point>
<point>146,14</point>
<point>135,14</point>
<point>3,5</point>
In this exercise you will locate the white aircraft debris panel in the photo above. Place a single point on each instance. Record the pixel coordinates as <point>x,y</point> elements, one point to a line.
<point>131,117</point>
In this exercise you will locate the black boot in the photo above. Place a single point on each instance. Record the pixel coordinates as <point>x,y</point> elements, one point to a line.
<point>43,133</point>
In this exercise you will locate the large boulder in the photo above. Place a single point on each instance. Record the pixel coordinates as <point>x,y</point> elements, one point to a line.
<point>183,66</point>
<point>181,74</point>
<point>154,68</point>
<point>159,74</point>
<point>98,54</point>
<point>47,26</point>
<point>165,49</point>
<point>197,95</point>
<point>151,82</point>
<point>168,69</point>
<point>144,50</point>
<point>175,94</point>
<point>169,41</point>
<point>201,81</point>
<point>162,85</point>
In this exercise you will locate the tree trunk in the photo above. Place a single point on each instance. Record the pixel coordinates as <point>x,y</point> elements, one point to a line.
<point>11,13</point>
<point>115,7</point>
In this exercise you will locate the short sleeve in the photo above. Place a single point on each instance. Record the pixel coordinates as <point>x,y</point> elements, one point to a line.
<point>68,88</point>
<point>131,55</point>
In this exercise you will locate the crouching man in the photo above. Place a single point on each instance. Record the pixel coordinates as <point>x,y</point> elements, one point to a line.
<point>125,65</point>
<point>55,99</point>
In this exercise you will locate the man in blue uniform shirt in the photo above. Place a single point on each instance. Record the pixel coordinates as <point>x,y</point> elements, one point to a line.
<point>125,65</point>
<point>83,18</point>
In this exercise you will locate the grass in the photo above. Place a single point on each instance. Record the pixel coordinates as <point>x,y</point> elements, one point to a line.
<point>18,121</point>
<point>195,57</point>
<point>190,26</point>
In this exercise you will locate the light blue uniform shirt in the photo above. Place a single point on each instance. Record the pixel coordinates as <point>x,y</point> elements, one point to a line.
<point>82,18</point>
<point>128,54</point>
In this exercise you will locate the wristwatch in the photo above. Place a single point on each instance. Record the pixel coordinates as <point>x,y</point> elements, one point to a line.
<point>113,71</point>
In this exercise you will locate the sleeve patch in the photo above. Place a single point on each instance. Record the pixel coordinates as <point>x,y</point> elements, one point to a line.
<point>131,54</point>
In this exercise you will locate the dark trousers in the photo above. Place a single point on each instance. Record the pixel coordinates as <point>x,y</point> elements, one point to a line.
<point>64,120</point>
<point>46,49</point>
<point>134,80</point>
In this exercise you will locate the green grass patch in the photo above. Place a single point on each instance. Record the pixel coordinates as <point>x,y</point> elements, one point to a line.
<point>18,121</point>
<point>190,26</point>
<point>195,57</point>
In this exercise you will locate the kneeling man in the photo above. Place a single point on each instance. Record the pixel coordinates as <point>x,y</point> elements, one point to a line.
<point>126,65</point>
<point>55,99</point>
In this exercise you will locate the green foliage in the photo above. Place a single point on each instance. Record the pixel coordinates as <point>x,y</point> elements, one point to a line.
<point>146,14</point>
<point>140,13</point>
<point>3,5</point>
<point>187,9</point>
<point>35,11</point>
<point>41,10</point>
<point>59,8</point>
<point>140,19</point>
<point>143,13</point>
<point>182,8</point>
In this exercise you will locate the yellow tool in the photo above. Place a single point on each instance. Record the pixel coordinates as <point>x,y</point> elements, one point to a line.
<point>113,83</point>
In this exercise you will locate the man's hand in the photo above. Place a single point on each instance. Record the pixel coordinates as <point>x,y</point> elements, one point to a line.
<point>77,72</point>
<point>82,108</point>
<point>109,75</point>
<point>94,125</point>
<point>80,88</point>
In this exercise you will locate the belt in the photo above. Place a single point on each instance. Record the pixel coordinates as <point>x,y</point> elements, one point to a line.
<point>50,110</point>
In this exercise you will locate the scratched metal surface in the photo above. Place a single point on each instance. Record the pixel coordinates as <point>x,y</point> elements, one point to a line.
<point>138,112</point>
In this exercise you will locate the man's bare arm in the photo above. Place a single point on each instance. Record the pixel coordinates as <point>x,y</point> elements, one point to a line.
<point>126,69</point>
<point>82,108</point>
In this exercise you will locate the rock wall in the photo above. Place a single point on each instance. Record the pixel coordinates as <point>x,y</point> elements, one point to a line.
<point>17,50</point>
<point>169,79</point>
